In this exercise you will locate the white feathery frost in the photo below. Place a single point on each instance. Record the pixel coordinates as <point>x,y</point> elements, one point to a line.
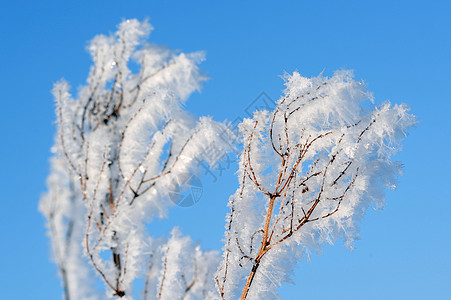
<point>308,172</point>
<point>120,144</point>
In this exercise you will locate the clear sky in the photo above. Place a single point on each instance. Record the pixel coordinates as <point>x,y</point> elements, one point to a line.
<point>401,49</point>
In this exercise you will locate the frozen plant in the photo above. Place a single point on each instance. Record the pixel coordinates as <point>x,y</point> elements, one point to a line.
<point>120,145</point>
<point>307,173</point>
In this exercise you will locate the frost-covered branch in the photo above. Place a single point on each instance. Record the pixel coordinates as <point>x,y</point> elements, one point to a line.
<point>61,206</point>
<point>308,171</point>
<point>122,143</point>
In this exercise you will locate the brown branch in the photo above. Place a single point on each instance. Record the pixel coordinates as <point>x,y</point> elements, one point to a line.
<point>243,255</point>
<point>88,250</point>
<point>190,286</point>
<point>248,151</point>
<point>221,290</point>
<point>302,154</point>
<point>146,284</point>
<point>61,135</point>
<point>339,202</point>
<point>124,272</point>
<point>272,125</point>
<point>263,247</point>
<point>57,249</point>
<point>160,292</point>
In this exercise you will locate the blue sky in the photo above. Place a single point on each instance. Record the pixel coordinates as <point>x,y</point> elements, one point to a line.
<point>401,49</point>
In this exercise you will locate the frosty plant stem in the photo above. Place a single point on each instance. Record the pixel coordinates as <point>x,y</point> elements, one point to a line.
<point>123,141</point>
<point>308,170</point>
<point>281,189</point>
